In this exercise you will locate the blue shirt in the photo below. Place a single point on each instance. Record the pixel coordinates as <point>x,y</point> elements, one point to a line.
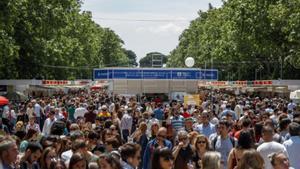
<point>226,111</point>
<point>149,151</point>
<point>206,130</point>
<point>159,114</point>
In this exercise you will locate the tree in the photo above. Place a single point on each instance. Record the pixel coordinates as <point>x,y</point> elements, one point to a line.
<point>149,60</point>
<point>244,38</point>
<point>54,40</point>
<point>131,57</point>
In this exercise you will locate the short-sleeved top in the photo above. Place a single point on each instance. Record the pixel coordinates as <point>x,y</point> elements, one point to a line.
<point>177,122</point>
<point>206,130</point>
<point>224,146</point>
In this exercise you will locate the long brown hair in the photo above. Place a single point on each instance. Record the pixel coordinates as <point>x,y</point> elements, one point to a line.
<point>251,159</point>
<point>201,137</point>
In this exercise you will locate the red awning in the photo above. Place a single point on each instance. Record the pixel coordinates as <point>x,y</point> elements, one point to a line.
<point>3,100</point>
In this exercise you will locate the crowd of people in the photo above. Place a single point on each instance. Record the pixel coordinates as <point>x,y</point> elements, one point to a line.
<point>97,130</point>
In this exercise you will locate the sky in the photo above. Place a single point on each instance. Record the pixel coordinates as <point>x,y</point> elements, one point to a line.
<point>147,25</point>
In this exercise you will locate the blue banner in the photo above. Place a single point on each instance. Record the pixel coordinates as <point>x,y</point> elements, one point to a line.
<point>166,74</point>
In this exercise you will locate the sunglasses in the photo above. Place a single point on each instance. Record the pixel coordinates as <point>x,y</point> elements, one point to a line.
<point>201,142</point>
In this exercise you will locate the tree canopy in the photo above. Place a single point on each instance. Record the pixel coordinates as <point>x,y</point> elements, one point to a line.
<point>244,40</point>
<point>53,39</point>
<point>153,59</point>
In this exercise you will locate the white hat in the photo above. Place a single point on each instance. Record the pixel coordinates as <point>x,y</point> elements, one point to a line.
<point>103,107</point>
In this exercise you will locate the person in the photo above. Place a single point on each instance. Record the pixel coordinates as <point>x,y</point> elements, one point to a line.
<point>104,114</point>
<point>188,124</point>
<point>224,143</point>
<point>162,159</point>
<point>229,111</point>
<point>140,137</point>
<point>107,161</point>
<point>37,110</point>
<point>58,164</point>
<point>159,142</point>
<point>177,121</point>
<point>130,155</point>
<point>32,124</point>
<point>48,156</point>
<point>292,145</point>
<point>8,152</point>
<point>71,112</point>
<point>31,136</point>
<point>183,152</point>
<point>80,111</point>
<point>90,116</point>
<point>126,125</point>
<point>211,160</point>
<point>279,160</point>
<point>77,161</point>
<point>291,105</point>
<point>269,146</point>
<point>245,142</point>
<point>48,123</point>
<point>205,128</point>
<point>246,124</point>
<point>154,126</point>
<point>201,147</point>
<point>32,154</point>
<point>159,113</point>
<point>251,159</point>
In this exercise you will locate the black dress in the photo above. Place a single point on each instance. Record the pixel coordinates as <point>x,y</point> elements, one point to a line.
<point>196,159</point>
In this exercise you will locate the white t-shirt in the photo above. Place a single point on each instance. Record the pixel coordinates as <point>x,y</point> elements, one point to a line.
<point>268,148</point>
<point>80,112</point>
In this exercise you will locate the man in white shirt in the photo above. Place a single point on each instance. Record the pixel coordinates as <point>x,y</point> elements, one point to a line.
<point>48,123</point>
<point>37,111</point>
<point>292,145</point>
<point>80,111</point>
<point>269,146</point>
<point>291,105</point>
<point>126,124</point>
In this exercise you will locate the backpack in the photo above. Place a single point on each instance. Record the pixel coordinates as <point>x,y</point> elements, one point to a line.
<point>216,139</point>
<point>58,128</point>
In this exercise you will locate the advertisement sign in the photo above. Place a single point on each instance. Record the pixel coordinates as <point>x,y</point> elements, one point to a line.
<point>155,73</point>
<point>193,99</point>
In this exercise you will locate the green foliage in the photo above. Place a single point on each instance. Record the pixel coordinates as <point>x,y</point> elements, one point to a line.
<point>244,39</point>
<point>54,39</point>
<point>153,58</point>
<point>131,57</point>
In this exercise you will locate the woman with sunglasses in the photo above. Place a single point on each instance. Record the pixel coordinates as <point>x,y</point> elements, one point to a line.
<point>201,147</point>
<point>162,159</point>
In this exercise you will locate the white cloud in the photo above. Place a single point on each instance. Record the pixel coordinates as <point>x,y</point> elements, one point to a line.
<point>169,28</point>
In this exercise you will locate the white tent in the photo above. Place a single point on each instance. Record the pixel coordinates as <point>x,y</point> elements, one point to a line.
<point>295,95</point>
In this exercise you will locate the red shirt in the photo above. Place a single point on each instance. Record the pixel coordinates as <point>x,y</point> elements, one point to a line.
<point>186,115</point>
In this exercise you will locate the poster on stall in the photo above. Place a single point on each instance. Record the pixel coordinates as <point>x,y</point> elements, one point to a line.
<point>192,99</point>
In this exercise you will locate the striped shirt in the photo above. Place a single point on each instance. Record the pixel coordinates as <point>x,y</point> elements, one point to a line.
<point>177,122</point>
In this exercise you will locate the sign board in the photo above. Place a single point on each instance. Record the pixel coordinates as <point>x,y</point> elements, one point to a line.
<point>155,73</point>
<point>192,99</point>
